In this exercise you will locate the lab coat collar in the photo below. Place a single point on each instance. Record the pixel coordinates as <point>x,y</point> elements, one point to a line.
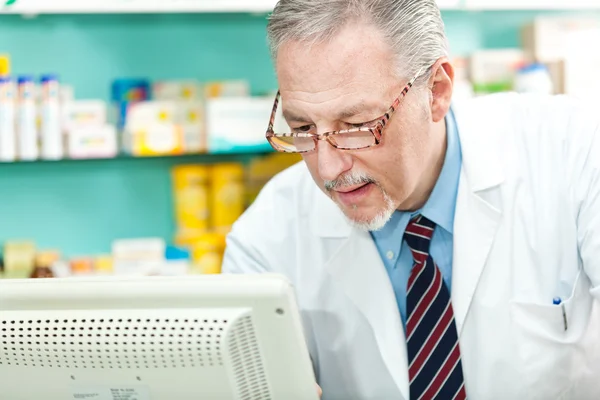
<point>479,128</point>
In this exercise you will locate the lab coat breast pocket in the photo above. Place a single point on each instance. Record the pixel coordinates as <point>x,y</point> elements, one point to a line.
<point>547,337</point>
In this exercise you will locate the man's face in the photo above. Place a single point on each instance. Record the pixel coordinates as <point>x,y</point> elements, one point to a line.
<point>346,82</point>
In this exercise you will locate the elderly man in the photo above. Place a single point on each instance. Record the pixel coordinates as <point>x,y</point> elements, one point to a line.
<point>437,252</point>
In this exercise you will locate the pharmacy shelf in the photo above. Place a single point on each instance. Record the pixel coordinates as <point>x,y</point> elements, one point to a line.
<point>134,6</point>
<point>34,7</point>
<point>150,6</point>
<point>195,158</point>
<point>250,6</point>
<point>523,5</point>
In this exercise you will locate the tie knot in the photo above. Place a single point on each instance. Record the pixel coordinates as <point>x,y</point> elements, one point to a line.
<point>418,236</point>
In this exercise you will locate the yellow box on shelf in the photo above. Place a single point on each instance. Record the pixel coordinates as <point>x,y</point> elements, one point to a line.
<point>157,140</point>
<point>19,259</point>
<point>261,169</point>
<point>4,65</point>
<point>227,195</point>
<point>190,196</point>
<point>103,265</point>
<point>207,250</point>
<point>153,129</point>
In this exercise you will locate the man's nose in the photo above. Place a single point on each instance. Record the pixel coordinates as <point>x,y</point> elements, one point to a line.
<point>332,162</point>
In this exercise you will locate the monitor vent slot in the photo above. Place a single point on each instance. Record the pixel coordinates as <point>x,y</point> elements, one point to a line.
<point>246,361</point>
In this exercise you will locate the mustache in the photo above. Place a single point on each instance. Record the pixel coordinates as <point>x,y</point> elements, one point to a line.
<point>349,179</point>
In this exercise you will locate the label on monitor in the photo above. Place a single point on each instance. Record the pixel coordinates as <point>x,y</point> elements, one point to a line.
<point>136,392</point>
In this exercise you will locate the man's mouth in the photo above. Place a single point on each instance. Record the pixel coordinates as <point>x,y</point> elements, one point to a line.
<point>352,196</point>
<point>351,188</point>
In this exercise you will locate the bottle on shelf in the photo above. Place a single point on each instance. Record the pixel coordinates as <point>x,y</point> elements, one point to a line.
<point>27,133</point>
<point>52,146</point>
<point>534,78</point>
<point>8,136</point>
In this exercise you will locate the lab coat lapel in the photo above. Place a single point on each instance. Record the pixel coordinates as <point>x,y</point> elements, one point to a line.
<point>479,202</point>
<point>476,224</point>
<point>358,268</point>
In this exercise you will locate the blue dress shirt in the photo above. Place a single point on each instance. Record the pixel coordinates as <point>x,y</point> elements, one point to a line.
<point>439,208</point>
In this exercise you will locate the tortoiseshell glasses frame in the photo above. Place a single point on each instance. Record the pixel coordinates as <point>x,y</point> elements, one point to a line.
<point>347,139</point>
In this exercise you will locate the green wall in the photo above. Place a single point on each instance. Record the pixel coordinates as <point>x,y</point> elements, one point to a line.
<point>81,206</point>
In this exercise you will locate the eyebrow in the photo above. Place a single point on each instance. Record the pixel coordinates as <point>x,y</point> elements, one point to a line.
<point>356,109</point>
<point>290,116</point>
<point>346,113</point>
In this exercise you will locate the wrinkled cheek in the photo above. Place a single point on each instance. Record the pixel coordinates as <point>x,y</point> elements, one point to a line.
<point>311,163</point>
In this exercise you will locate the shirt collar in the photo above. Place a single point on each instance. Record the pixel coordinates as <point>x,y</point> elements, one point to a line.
<point>441,204</point>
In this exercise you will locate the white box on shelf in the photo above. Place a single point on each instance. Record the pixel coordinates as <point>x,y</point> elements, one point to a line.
<point>580,75</point>
<point>546,39</point>
<point>238,124</point>
<point>165,128</point>
<point>139,257</point>
<point>494,70</point>
<point>83,113</point>
<point>95,141</point>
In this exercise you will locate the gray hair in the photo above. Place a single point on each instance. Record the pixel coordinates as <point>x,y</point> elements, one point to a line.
<point>413,28</point>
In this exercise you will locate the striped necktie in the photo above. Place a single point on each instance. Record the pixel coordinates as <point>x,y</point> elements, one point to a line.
<point>435,369</point>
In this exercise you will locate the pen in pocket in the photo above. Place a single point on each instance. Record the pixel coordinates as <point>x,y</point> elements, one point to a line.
<point>558,301</point>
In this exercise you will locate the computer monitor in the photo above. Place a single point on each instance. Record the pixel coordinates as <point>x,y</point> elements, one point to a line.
<point>222,337</point>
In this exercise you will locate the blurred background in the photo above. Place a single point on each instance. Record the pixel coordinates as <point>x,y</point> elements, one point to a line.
<point>132,131</point>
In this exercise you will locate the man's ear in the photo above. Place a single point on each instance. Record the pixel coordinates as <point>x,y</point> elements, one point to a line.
<point>441,84</point>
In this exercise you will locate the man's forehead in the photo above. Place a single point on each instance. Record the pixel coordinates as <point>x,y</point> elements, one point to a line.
<point>353,41</point>
<point>300,66</point>
<point>350,55</point>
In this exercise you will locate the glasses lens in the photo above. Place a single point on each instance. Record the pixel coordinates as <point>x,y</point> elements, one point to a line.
<point>350,140</point>
<point>292,144</point>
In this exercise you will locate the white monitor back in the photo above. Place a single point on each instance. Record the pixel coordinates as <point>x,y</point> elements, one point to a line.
<point>226,337</point>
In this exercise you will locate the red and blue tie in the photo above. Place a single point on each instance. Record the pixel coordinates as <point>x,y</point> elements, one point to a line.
<point>435,369</point>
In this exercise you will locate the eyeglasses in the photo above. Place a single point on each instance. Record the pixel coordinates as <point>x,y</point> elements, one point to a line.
<point>347,139</point>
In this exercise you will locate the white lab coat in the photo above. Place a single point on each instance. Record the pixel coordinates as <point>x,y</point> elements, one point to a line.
<point>527,229</point>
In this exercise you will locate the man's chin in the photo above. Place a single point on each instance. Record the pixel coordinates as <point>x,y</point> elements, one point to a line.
<point>372,215</point>
<point>369,222</point>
